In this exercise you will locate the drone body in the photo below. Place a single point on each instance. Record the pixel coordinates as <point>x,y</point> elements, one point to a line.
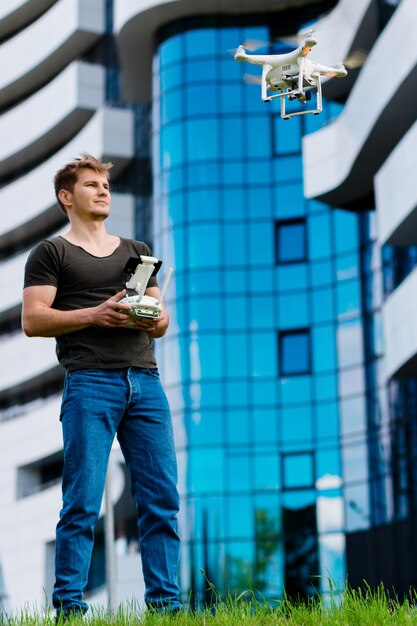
<point>292,75</point>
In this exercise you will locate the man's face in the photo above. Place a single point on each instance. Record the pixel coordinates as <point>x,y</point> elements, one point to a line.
<point>90,198</point>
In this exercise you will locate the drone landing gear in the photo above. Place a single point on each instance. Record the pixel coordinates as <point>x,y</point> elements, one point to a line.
<point>303,97</point>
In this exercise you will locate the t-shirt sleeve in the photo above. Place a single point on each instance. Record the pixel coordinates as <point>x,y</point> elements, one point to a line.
<point>42,266</point>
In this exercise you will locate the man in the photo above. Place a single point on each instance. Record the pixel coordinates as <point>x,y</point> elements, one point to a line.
<point>72,291</point>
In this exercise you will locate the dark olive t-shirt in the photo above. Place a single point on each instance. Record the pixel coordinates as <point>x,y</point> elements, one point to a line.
<point>84,280</point>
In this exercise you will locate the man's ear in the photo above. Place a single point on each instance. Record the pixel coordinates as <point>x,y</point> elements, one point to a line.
<point>65,197</point>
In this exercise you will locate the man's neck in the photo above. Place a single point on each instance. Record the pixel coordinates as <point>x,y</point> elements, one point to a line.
<point>93,237</point>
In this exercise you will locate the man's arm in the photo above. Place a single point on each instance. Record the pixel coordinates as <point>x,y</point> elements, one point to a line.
<point>39,319</point>
<point>158,327</point>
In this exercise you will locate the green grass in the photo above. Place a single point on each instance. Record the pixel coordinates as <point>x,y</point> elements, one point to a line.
<point>355,608</point>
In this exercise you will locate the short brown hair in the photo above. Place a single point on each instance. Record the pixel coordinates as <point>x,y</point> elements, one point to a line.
<point>66,177</point>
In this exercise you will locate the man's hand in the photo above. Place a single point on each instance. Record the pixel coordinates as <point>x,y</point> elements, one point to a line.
<point>112,313</point>
<point>155,327</point>
<point>39,319</point>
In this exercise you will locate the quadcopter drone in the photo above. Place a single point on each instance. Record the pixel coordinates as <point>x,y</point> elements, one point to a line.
<point>292,74</point>
<point>144,306</point>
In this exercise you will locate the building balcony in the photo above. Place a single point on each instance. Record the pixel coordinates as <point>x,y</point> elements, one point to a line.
<point>109,135</point>
<point>396,194</point>
<point>75,93</point>
<point>137,21</point>
<point>340,160</point>
<point>16,14</point>
<point>37,53</point>
<point>400,329</point>
<point>31,436</point>
<point>348,30</point>
<point>25,358</point>
<point>120,222</point>
<point>27,526</point>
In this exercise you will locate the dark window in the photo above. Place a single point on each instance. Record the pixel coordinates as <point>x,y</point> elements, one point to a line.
<point>290,241</point>
<point>301,563</point>
<point>294,352</point>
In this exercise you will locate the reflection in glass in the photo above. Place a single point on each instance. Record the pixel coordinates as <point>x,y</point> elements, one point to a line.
<point>355,462</point>
<point>357,507</point>
<point>332,562</point>
<point>301,564</point>
<point>330,512</point>
<point>353,415</point>
<point>348,299</point>
<point>350,343</point>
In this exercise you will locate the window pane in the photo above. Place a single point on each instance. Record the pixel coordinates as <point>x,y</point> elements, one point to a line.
<point>202,140</point>
<point>171,50</point>
<point>346,230</point>
<point>293,276</point>
<point>201,100</point>
<point>290,201</point>
<point>204,246</point>
<point>258,136</point>
<point>319,236</point>
<point>201,42</point>
<point>287,136</point>
<point>293,310</point>
<point>298,470</point>
<point>297,426</point>
<point>266,471</point>
<point>171,106</point>
<point>172,151</point>
<point>232,144</point>
<point>172,76</point>
<point>237,426</point>
<point>291,244</point>
<point>206,427</point>
<point>203,205</point>
<point>201,71</point>
<point>294,349</point>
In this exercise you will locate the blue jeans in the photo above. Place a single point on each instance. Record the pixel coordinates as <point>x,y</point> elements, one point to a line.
<point>96,406</point>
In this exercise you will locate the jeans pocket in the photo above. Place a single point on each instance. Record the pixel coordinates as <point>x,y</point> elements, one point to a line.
<point>154,372</point>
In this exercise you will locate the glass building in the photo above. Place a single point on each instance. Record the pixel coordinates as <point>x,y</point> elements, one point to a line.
<point>269,389</point>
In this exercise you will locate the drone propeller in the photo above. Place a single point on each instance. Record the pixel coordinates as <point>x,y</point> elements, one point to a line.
<point>356,59</point>
<point>251,79</point>
<point>250,44</point>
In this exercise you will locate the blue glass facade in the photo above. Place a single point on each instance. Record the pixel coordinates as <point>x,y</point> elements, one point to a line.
<point>266,363</point>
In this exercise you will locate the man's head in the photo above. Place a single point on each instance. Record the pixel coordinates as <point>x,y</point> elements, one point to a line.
<point>66,178</point>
